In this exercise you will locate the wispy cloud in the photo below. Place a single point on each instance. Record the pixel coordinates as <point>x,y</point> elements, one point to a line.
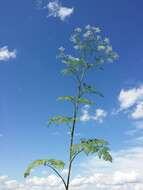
<point>138,111</point>
<point>6,54</point>
<point>99,114</point>
<point>55,9</point>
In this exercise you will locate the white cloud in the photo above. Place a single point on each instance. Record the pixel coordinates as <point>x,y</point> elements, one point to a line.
<point>51,180</point>
<point>85,114</point>
<point>64,172</point>
<point>138,111</point>
<point>121,178</point>
<point>130,97</point>
<point>99,115</point>
<point>6,54</point>
<point>12,184</point>
<point>131,102</point>
<point>55,9</point>
<point>126,173</point>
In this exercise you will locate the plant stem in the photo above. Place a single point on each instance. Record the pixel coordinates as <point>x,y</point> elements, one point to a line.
<point>58,174</point>
<point>76,107</point>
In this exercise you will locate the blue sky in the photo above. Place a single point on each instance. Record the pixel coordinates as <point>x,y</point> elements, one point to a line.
<point>30,82</point>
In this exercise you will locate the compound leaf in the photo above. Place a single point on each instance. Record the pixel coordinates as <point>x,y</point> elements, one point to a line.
<point>67,98</point>
<point>89,89</point>
<point>92,146</point>
<point>58,164</point>
<point>84,101</point>
<point>58,120</point>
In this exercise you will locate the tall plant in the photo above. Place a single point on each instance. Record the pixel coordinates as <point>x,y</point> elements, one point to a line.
<point>93,49</point>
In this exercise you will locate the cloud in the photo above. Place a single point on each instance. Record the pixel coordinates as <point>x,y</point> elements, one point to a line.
<point>85,114</point>
<point>55,9</point>
<point>138,111</point>
<point>130,97</point>
<point>99,115</point>
<point>121,178</point>
<point>51,181</point>
<point>126,173</point>
<point>6,54</point>
<point>131,101</point>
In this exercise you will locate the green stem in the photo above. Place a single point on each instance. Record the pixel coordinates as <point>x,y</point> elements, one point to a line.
<point>76,107</point>
<point>58,174</point>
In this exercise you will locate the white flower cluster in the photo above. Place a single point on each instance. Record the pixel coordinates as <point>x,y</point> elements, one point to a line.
<point>73,58</point>
<point>61,49</point>
<point>91,39</point>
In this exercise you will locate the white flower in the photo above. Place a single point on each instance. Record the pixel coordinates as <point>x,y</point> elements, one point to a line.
<point>61,49</point>
<point>87,34</point>
<point>106,40</point>
<point>115,56</point>
<point>98,37</point>
<point>77,29</point>
<point>97,29</point>
<point>73,58</point>
<point>88,27</point>
<point>73,38</point>
<point>76,47</point>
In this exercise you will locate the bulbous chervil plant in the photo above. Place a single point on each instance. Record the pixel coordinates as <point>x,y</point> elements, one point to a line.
<point>93,49</point>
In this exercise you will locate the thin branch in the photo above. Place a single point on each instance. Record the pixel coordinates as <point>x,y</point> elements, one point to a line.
<point>76,155</point>
<point>57,174</point>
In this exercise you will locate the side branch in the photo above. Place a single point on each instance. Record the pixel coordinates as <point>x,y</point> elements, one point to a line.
<point>57,174</point>
<point>76,155</point>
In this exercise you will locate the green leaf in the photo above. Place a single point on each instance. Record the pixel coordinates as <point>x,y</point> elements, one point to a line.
<point>84,101</point>
<point>92,146</point>
<point>98,142</point>
<point>90,89</point>
<point>104,154</point>
<point>58,120</point>
<point>74,100</point>
<point>58,164</point>
<point>67,98</point>
<point>68,71</point>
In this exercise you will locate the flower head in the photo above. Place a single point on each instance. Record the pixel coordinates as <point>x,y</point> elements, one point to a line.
<point>78,30</point>
<point>62,49</point>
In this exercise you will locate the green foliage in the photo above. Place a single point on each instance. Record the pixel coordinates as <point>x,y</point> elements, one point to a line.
<point>88,89</point>
<point>67,98</point>
<point>92,146</point>
<point>84,101</point>
<point>58,164</point>
<point>58,120</point>
<point>75,100</point>
<point>93,49</point>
